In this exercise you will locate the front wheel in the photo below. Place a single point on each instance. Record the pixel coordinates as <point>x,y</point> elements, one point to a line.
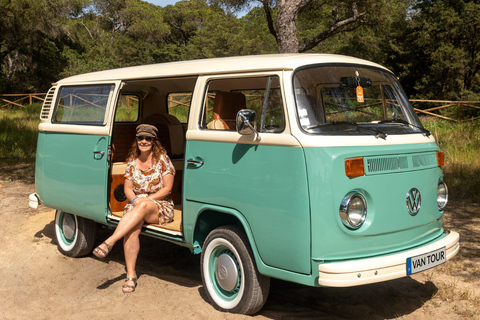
<point>75,235</point>
<point>229,274</point>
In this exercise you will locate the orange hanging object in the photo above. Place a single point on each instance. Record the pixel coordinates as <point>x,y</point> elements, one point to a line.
<point>360,97</point>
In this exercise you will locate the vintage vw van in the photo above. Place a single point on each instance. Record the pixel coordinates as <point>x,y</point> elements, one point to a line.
<point>308,168</point>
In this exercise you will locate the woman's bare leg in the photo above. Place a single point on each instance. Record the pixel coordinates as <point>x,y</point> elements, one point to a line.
<point>131,247</point>
<point>145,211</point>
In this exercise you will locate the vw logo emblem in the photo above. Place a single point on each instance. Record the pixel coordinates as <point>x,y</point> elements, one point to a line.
<point>414,201</point>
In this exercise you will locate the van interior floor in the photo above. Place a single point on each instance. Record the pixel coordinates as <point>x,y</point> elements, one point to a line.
<point>172,228</point>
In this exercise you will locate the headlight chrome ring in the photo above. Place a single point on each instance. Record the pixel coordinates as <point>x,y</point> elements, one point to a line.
<point>442,195</point>
<point>353,210</point>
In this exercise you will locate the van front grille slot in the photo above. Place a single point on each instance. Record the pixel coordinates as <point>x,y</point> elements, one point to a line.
<point>387,164</point>
<point>424,160</point>
<point>400,163</point>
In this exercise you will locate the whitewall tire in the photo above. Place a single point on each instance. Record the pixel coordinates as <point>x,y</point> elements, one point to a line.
<point>75,235</point>
<point>230,277</point>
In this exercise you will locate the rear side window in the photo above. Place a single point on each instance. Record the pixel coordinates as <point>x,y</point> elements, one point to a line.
<point>83,104</point>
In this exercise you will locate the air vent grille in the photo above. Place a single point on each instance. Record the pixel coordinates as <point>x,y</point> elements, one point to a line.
<point>47,104</point>
<point>424,160</point>
<point>387,164</point>
<point>400,163</point>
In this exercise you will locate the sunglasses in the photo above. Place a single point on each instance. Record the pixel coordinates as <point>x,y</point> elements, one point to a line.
<point>141,138</point>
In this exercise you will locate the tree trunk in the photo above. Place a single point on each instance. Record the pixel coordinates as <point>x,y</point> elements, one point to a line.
<point>287,14</point>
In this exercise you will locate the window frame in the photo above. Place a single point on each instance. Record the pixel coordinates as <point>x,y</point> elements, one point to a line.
<point>206,86</point>
<point>112,97</point>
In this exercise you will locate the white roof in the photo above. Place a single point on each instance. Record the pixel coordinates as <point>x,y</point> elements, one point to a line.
<point>216,66</point>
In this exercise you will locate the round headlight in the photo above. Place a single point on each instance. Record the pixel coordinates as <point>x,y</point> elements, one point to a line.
<point>442,195</point>
<point>353,210</point>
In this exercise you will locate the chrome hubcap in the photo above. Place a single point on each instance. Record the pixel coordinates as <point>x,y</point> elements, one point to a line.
<point>226,272</point>
<point>68,226</point>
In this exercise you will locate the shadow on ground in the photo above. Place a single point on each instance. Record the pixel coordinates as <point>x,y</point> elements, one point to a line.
<point>16,170</point>
<point>177,265</point>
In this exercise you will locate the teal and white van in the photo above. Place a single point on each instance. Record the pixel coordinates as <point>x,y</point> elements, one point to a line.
<point>308,168</point>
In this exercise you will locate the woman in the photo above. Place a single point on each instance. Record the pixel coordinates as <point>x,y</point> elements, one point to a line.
<point>148,183</point>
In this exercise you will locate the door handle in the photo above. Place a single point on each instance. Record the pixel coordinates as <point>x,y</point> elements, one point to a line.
<point>97,155</point>
<point>196,162</point>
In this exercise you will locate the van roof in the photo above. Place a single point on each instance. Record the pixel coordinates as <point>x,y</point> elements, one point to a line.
<point>216,66</point>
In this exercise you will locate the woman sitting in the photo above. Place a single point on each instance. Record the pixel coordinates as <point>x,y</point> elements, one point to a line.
<point>148,184</point>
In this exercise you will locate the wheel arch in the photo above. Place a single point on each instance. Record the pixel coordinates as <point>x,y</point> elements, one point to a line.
<point>212,217</point>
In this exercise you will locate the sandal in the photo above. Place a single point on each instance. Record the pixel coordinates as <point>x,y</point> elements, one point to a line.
<point>100,253</point>
<point>130,288</point>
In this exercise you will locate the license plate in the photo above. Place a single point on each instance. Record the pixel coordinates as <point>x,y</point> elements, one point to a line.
<point>426,261</point>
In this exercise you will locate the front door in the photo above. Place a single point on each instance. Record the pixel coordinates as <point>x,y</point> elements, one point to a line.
<point>263,177</point>
<point>73,150</point>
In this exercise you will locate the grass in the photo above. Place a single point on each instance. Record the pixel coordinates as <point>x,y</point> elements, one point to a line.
<point>461,145</point>
<point>19,132</point>
<point>18,142</point>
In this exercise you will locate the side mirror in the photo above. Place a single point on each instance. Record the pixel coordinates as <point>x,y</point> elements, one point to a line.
<point>244,120</point>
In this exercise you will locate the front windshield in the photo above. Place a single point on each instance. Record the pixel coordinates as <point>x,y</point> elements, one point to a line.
<point>353,100</point>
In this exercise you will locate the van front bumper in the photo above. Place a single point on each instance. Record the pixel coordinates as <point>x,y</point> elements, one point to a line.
<point>379,269</point>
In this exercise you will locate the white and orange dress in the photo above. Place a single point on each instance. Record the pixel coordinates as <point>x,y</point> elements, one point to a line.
<point>149,181</point>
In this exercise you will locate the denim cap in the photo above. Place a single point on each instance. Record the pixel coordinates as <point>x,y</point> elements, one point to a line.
<point>147,130</point>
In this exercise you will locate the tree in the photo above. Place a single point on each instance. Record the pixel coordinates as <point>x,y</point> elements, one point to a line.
<point>438,50</point>
<point>345,16</point>
<point>31,43</point>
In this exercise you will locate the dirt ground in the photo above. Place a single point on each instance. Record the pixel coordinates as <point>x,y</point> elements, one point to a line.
<point>38,282</point>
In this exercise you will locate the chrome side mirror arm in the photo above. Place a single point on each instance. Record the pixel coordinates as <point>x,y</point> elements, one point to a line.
<point>244,120</point>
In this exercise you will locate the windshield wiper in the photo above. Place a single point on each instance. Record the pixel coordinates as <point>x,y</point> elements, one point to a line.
<point>425,132</point>
<point>379,134</point>
<point>330,123</point>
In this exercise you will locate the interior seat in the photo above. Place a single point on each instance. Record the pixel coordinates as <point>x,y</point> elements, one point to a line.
<point>225,108</point>
<point>170,133</point>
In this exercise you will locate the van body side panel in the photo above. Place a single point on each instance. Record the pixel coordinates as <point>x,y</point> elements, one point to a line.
<point>389,227</point>
<point>267,185</point>
<point>73,178</point>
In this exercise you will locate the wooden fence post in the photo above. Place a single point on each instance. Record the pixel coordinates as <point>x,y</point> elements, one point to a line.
<point>459,114</point>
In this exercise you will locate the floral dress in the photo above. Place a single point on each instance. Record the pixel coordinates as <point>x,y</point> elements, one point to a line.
<point>147,182</point>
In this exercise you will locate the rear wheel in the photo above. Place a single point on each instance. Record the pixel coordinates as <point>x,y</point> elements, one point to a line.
<point>75,235</point>
<point>230,276</point>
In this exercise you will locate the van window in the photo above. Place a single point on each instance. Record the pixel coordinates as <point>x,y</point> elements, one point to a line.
<point>127,109</point>
<point>179,105</point>
<point>226,97</point>
<point>352,100</point>
<point>82,104</point>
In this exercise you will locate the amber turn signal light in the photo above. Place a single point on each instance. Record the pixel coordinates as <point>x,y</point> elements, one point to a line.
<point>354,167</point>
<point>440,159</point>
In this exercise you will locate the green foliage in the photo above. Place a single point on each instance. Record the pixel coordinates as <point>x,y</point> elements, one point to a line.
<point>440,50</point>
<point>433,46</point>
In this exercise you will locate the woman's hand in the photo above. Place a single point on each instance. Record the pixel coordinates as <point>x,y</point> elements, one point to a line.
<point>128,189</point>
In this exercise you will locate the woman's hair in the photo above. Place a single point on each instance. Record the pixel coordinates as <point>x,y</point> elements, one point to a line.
<point>157,151</point>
